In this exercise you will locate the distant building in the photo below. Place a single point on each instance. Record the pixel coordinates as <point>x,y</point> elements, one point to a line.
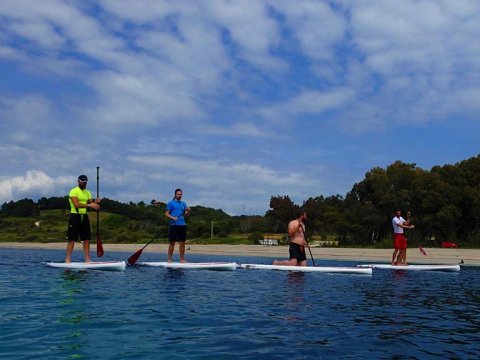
<point>268,242</point>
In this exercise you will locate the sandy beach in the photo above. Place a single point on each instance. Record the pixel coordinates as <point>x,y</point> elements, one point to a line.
<point>434,255</point>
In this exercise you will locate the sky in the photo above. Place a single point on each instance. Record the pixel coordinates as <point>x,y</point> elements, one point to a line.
<point>232,101</point>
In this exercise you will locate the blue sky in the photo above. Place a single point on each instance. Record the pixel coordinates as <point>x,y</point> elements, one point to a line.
<point>233,101</point>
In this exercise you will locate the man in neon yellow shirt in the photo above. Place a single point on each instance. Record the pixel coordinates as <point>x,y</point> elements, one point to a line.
<point>79,224</point>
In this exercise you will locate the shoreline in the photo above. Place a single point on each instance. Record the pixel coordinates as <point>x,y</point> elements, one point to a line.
<point>434,255</point>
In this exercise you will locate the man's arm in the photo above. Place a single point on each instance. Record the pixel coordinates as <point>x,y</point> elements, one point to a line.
<point>402,225</point>
<point>89,204</point>
<point>168,215</point>
<point>293,226</point>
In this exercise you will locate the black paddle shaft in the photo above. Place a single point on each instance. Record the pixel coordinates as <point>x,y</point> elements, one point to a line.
<point>98,195</point>
<point>308,245</point>
<point>99,241</point>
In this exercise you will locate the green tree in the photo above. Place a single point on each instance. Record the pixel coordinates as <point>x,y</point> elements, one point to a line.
<point>22,208</point>
<point>282,211</point>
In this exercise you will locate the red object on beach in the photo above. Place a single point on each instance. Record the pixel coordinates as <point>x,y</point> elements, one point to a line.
<point>448,244</point>
<point>422,251</point>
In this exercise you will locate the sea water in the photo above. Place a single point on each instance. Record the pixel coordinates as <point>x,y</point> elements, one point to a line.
<point>158,313</point>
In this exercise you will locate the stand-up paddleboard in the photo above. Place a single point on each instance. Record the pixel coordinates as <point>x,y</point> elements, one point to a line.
<point>192,265</point>
<point>100,265</point>
<point>323,269</point>
<point>412,267</point>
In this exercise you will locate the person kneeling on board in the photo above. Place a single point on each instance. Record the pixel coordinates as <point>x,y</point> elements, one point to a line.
<point>296,234</point>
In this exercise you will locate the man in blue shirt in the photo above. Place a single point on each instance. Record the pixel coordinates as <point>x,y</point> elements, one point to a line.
<point>176,211</point>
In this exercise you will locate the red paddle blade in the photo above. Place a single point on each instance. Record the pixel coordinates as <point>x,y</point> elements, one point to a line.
<point>133,259</point>
<point>99,247</point>
<point>422,251</point>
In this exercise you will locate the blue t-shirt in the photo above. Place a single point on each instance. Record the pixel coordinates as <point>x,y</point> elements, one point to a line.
<point>177,208</point>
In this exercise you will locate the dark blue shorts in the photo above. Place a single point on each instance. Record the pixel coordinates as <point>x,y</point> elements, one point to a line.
<point>177,233</point>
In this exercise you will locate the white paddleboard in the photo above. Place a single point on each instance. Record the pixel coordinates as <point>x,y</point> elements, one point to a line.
<point>323,269</point>
<point>192,265</point>
<point>412,267</point>
<point>98,265</point>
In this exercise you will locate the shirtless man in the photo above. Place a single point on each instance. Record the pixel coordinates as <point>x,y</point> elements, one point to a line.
<point>296,234</point>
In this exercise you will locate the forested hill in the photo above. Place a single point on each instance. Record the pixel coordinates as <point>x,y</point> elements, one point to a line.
<point>444,202</point>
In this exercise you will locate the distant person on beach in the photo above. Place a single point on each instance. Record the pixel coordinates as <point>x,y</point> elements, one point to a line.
<point>296,235</point>
<point>176,211</point>
<point>399,256</point>
<point>78,223</point>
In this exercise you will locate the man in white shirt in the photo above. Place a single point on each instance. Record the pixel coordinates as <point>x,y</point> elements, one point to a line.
<point>399,256</point>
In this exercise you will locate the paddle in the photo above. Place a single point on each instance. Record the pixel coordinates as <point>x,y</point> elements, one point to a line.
<point>420,248</point>
<point>133,259</point>
<point>99,241</point>
<point>308,245</point>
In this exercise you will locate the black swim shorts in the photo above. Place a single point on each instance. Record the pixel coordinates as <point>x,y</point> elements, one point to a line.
<point>78,225</point>
<point>177,233</point>
<point>297,252</point>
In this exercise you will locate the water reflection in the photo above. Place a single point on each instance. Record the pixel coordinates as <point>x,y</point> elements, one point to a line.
<point>295,292</point>
<point>295,278</point>
<point>72,311</point>
<point>173,274</point>
<point>174,279</point>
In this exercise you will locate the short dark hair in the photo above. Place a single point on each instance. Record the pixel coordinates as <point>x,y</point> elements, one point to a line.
<point>299,212</point>
<point>175,193</point>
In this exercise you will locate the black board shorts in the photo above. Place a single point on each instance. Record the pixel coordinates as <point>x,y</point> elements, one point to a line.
<point>78,226</point>
<point>297,252</point>
<point>177,233</point>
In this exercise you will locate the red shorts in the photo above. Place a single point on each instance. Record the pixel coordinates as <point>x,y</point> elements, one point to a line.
<point>399,241</point>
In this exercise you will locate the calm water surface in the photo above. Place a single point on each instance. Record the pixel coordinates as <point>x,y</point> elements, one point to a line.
<point>156,313</point>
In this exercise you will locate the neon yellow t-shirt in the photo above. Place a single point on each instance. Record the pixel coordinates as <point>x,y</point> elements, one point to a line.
<point>83,197</point>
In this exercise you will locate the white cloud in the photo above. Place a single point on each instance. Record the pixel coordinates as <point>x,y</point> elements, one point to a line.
<point>10,53</point>
<point>308,102</point>
<point>145,11</point>
<point>34,181</point>
<point>25,120</point>
<point>252,30</point>
<point>233,183</point>
<point>42,33</point>
<point>316,25</point>
<point>238,129</point>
